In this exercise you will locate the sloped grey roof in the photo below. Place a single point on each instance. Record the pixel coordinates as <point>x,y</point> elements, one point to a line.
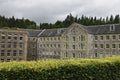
<point>33,33</point>
<point>96,30</point>
<point>51,32</point>
<point>103,29</point>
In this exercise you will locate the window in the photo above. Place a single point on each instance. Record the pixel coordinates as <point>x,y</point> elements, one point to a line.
<point>21,38</point>
<point>82,46</point>
<point>79,38</point>
<point>15,45</point>
<point>119,45</point>
<point>20,59</point>
<point>58,52</point>
<point>73,38</point>
<point>47,45</point>
<point>44,45</point>
<point>51,38</point>
<point>2,44</point>
<point>55,52</point>
<point>15,36</point>
<point>73,55</point>
<point>113,46</point>
<point>44,38</point>
<point>101,45</point>
<point>9,37</point>
<point>55,38</point>
<point>58,45</point>
<point>48,39</point>
<point>3,35</point>
<point>2,52</point>
<point>14,59</point>
<point>20,52</point>
<point>8,60</point>
<point>9,45</point>
<point>107,37</point>
<point>119,36</point>
<point>82,38</point>
<point>21,45</point>
<point>101,37</point>
<point>55,45</point>
<point>14,53</point>
<point>73,31</point>
<point>58,38</point>
<point>2,60</point>
<point>112,27</point>
<point>67,38</point>
<point>67,46</point>
<point>80,55</point>
<point>73,46</point>
<point>66,54</point>
<point>96,46</point>
<point>96,37</point>
<point>51,45</point>
<point>96,55</point>
<point>8,52</point>
<point>107,46</point>
<point>114,37</point>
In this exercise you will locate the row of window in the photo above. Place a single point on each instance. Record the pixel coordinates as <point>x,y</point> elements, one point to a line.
<point>50,45</point>
<point>8,59</point>
<point>11,53</point>
<point>107,45</point>
<point>107,37</point>
<point>80,55</point>
<point>49,53</point>
<point>81,38</point>
<point>81,46</point>
<point>49,38</point>
<point>101,55</point>
<point>11,45</point>
<point>11,37</point>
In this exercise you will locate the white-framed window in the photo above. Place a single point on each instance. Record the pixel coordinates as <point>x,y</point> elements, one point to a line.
<point>107,46</point>
<point>107,37</point>
<point>96,37</point>
<point>113,37</point>
<point>101,37</point>
<point>113,45</point>
<point>101,46</point>
<point>96,45</point>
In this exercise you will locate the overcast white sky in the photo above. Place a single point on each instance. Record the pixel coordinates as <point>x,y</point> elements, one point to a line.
<point>52,10</point>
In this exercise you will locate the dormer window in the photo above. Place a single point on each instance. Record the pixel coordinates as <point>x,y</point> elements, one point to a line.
<point>112,27</point>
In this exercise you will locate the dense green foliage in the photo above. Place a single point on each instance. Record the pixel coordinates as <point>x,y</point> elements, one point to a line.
<point>84,69</point>
<point>84,20</point>
<point>16,23</point>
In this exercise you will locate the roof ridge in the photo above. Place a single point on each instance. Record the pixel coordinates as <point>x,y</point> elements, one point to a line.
<point>102,25</point>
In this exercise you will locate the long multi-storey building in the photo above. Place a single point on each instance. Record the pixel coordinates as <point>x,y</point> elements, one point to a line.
<point>77,41</point>
<point>13,45</point>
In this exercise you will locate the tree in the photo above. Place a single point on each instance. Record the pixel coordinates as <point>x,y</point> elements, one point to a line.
<point>117,19</point>
<point>111,21</point>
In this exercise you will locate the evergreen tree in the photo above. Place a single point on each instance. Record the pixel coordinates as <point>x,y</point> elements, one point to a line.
<point>111,21</point>
<point>117,19</point>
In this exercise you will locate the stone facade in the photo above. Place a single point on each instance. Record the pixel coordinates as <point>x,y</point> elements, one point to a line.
<point>13,45</point>
<point>76,41</point>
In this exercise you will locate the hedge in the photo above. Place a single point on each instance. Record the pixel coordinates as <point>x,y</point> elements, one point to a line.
<point>82,69</point>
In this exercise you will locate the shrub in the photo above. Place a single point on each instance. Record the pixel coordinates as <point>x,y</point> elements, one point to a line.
<point>85,69</point>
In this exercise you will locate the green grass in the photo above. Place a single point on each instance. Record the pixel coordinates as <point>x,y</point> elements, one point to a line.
<point>74,69</point>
